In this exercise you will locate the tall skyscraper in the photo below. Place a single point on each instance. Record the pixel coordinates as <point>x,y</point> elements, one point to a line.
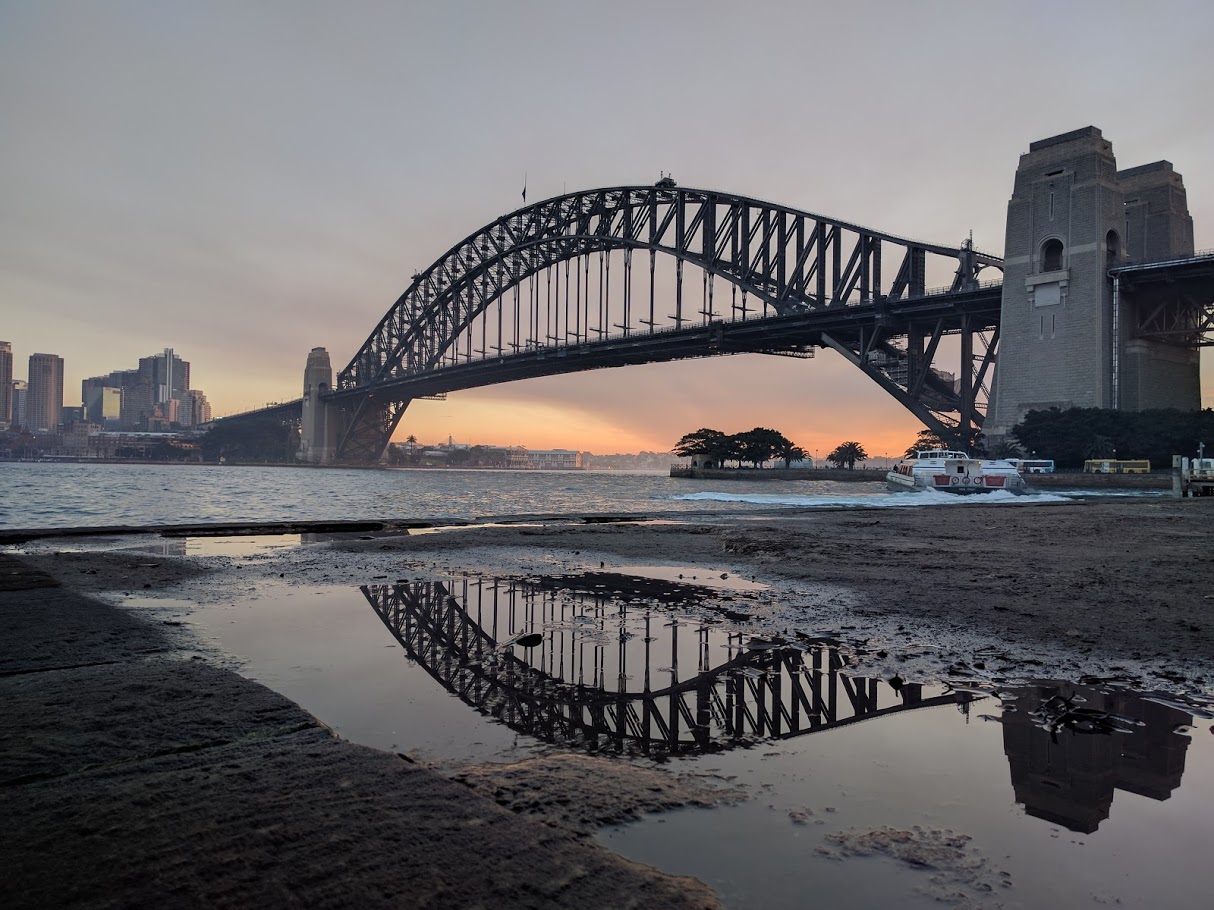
<point>6,384</point>
<point>45,396</point>
<point>166,373</point>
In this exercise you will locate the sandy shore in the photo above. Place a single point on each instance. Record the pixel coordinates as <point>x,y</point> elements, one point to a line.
<point>138,775</point>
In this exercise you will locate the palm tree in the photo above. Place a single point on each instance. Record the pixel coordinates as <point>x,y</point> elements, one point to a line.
<point>1100,447</point>
<point>847,453</point>
<point>1007,449</point>
<point>790,453</point>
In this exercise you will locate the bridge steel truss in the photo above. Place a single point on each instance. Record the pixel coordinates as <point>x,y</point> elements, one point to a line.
<point>776,693</point>
<point>533,294</point>
<point>1174,299</point>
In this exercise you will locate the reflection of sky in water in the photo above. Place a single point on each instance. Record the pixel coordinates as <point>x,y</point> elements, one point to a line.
<point>1073,817</point>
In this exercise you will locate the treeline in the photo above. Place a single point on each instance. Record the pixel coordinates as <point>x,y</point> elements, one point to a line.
<point>757,446</point>
<point>267,439</point>
<point>1075,435</point>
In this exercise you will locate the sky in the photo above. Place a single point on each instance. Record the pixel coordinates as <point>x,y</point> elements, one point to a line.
<point>243,181</point>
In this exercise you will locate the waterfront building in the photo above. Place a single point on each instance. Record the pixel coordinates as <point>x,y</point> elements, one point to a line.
<point>44,403</point>
<point>6,384</point>
<point>90,441</point>
<point>20,393</point>
<point>545,459</point>
<point>70,415</point>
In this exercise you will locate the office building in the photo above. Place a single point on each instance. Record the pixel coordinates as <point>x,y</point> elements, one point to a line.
<point>102,398</point>
<point>44,402</point>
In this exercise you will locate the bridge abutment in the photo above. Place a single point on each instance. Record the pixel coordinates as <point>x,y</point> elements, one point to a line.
<point>1068,333</point>
<point>318,425</point>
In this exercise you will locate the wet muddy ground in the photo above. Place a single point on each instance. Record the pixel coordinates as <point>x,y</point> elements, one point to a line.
<point>984,707</point>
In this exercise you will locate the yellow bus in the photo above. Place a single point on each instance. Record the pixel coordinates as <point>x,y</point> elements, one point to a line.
<point>1117,466</point>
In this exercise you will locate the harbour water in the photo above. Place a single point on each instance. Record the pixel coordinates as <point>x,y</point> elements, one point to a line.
<point>39,495</point>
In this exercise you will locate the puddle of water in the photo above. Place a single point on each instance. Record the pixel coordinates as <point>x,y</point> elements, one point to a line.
<point>1050,794</point>
<point>239,545</point>
<point>596,672</point>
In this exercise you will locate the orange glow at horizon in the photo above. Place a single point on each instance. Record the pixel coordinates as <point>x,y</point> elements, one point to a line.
<point>648,408</point>
<point>476,422</point>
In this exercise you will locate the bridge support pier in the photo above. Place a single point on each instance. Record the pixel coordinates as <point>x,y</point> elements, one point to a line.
<point>318,426</point>
<point>1070,335</point>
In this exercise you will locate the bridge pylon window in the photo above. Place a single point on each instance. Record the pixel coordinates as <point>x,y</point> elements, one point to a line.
<point>1051,255</point>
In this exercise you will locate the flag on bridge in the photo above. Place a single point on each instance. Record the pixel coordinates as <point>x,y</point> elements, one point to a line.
<point>524,189</point>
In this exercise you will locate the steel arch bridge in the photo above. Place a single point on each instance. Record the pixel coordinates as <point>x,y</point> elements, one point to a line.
<point>588,698</point>
<point>554,287</point>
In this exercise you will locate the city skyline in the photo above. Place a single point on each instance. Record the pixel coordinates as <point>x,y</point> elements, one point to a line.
<point>155,395</point>
<point>252,213</point>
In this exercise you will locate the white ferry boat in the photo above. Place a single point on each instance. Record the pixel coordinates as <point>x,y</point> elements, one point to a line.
<point>953,472</point>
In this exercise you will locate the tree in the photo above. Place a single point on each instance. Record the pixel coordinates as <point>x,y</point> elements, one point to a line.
<point>847,453</point>
<point>265,439</point>
<point>791,453</point>
<point>1007,449</point>
<point>1100,446</point>
<point>956,440</point>
<point>759,445</point>
<point>713,444</point>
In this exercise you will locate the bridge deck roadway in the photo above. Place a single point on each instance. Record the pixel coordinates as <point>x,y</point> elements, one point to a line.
<point>796,333</point>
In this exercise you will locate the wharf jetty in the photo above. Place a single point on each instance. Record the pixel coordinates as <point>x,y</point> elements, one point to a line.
<point>1192,476</point>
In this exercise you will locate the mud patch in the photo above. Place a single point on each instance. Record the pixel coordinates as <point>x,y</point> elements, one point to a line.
<point>97,571</point>
<point>581,792</point>
<point>958,875</point>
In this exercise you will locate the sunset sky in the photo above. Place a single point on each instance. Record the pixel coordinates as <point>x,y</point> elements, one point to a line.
<point>245,181</point>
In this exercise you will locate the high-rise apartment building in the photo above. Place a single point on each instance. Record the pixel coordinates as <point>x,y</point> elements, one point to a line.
<point>6,384</point>
<point>194,409</point>
<point>20,392</point>
<point>45,396</point>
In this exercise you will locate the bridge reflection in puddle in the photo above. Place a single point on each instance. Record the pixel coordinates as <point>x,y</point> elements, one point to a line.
<point>608,662</point>
<point>597,672</point>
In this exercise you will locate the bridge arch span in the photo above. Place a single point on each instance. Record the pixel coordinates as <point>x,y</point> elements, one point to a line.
<point>469,305</point>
